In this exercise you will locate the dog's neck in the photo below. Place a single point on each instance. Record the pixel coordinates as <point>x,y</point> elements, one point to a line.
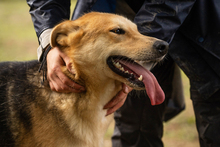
<point>104,90</point>
<point>88,106</point>
<point>101,88</point>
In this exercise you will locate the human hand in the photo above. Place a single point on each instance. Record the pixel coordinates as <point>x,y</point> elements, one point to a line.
<point>117,101</point>
<point>58,81</point>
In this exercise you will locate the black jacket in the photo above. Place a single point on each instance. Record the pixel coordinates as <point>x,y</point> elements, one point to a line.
<point>197,21</point>
<point>47,13</point>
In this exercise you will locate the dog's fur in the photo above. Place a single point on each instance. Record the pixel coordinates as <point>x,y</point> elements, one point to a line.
<point>31,115</point>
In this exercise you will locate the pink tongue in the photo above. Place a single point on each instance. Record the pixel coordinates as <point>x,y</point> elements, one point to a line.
<point>152,87</point>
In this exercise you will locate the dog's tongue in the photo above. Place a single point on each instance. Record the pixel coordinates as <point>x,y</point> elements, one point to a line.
<point>152,87</point>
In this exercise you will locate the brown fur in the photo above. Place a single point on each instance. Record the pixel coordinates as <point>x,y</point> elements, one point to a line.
<point>77,119</point>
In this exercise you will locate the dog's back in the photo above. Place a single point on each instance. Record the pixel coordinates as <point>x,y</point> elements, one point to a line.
<point>14,90</point>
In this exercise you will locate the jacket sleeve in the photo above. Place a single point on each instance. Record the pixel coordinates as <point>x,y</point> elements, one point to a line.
<point>45,15</point>
<point>161,18</point>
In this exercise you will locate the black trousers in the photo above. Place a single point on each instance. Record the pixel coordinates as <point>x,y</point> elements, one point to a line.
<point>207,114</point>
<point>138,123</point>
<point>197,64</point>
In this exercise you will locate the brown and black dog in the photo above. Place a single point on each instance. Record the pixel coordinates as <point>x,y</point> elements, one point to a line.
<point>106,51</point>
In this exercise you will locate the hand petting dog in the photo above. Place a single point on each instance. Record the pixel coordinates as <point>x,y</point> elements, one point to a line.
<point>59,82</point>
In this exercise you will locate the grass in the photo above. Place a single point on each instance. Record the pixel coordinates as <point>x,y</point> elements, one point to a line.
<point>17,38</point>
<point>18,41</point>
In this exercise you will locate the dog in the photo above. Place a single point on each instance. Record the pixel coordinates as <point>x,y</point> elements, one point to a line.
<point>106,50</point>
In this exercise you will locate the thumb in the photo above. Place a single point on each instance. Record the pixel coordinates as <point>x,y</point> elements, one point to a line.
<point>68,62</point>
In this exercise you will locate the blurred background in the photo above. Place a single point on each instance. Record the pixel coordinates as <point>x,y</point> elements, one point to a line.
<point>18,42</point>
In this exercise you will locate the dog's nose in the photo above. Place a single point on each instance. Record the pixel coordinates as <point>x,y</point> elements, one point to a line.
<point>161,46</point>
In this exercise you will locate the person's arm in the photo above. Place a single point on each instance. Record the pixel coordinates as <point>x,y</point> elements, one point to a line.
<point>45,15</point>
<point>162,18</point>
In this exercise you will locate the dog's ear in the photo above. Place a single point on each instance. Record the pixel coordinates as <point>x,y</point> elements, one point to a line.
<point>60,35</point>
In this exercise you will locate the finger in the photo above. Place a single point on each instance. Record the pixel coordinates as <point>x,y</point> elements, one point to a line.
<point>116,107</point>
<point>67,61</point>
<point>51,86</point>
<point>126,89</point>
<point>74,87</point>
<point>64,89</point>
<point>56,83</point>
<point>121,95</point>
<point>114,100</point>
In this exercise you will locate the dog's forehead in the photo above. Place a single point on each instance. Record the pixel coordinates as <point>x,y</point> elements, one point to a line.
<point>122,21</point>
<point>108,19</point>
<point>117,21</point>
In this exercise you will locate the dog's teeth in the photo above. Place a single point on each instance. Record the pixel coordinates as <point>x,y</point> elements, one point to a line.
<point>118,65</point>
<point>126,71</point>
<point>122,68</point>
<point>140,78</point>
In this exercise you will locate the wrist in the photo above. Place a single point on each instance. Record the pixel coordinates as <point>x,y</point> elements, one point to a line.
<point>44,41</point>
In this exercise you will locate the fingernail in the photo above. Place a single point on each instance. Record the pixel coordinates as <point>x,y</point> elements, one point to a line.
<point>126,89</point>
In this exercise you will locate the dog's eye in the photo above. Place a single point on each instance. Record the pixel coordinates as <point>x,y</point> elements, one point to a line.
<point>118,31</point>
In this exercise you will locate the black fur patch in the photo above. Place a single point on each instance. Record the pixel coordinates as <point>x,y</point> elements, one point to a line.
<point>16,94</point>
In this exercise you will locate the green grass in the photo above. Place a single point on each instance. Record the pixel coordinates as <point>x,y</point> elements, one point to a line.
<point>17,37</point>
<point>18,41</point>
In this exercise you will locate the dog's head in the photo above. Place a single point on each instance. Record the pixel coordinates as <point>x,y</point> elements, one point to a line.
<point>107,47</point>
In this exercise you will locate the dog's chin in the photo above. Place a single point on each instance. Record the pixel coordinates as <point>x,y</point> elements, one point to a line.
<point>121,65</point>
